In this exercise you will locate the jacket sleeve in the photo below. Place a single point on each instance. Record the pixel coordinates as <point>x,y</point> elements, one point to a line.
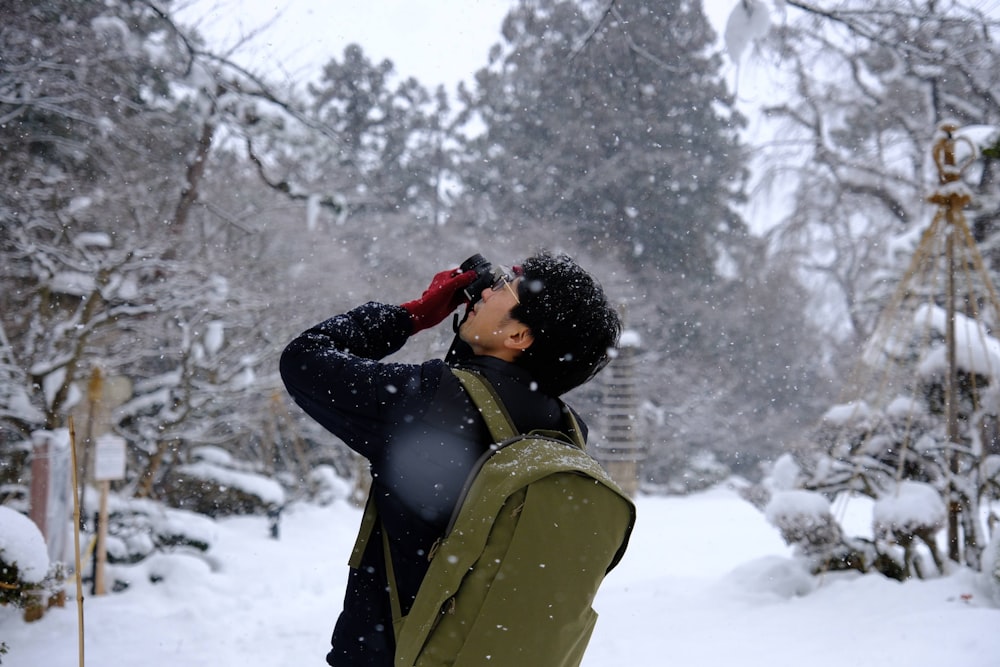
<point>333,372</point>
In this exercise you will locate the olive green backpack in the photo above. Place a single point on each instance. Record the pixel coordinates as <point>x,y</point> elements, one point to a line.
<point>512,582</point>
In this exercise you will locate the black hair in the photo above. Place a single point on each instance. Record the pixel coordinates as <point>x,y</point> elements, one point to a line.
<point>574,328</point>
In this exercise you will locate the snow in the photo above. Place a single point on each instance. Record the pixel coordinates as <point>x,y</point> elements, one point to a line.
<point>630,338</point>
<point>18,404</point>
<point>808,505</point>
<point>255,485</point>
<point>904,406</point>
<point>21,544</point>
<point>749,20</point>
<point>706,583</point>
<point>246,377</point>
<point>73,283</point>
<point>128,289</point>
<point>440,42</point>
<point>92,240</point>
<point>783,475</point>
<point>214,336</point>
<point>975,349</point>
<point>846,413</point>
<point>51,384</point>
<point>79,204</point>
<point>213,454</point>
<point>914,504</point>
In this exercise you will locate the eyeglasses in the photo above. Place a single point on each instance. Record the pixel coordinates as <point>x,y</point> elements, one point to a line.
<point>504,279</point>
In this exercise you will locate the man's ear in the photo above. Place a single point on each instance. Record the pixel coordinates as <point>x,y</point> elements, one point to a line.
<point>520,340</point>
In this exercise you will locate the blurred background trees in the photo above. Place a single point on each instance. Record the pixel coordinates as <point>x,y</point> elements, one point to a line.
<point>170,219</point>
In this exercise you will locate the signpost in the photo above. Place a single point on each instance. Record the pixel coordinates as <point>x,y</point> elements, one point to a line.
<point>109,465</point>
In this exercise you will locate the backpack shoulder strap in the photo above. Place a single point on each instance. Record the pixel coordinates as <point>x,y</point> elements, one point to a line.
<point>485,398</point>
<point>369,519</point>
<point>498,420</point>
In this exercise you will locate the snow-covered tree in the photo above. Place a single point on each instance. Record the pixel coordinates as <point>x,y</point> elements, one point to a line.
<point>859,90</point>
<point>110,115</point>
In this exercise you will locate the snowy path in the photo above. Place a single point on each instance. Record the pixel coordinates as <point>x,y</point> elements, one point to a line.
<point>706,583</point>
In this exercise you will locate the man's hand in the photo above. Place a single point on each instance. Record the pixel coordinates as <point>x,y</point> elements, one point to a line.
<point>440,299</point>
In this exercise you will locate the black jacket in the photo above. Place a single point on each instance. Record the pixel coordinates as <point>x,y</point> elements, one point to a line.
<point>421,434</point>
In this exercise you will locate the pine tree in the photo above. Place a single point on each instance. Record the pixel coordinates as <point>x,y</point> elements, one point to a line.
<point>614,126</point>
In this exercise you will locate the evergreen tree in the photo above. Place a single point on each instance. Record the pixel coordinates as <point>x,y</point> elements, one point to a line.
<point>614,126</point>
<point>386,136</point>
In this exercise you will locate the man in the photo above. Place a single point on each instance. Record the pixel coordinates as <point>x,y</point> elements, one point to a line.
<point>537,332</point>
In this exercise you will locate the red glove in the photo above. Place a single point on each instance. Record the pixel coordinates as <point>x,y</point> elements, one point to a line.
<point>445,294</point>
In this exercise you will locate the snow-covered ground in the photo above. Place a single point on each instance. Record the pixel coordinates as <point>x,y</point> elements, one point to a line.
<point>706,582</point>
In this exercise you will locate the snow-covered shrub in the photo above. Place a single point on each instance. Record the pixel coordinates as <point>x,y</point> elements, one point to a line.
<point>913,511</point>
<point>139,528</point>
<point>861,449</point>
<point>326,486</point>
<point>783,475</point>
<point>806,523</point>
<point>215,487</point>
<point>804,519</point>
<point>26,577</point>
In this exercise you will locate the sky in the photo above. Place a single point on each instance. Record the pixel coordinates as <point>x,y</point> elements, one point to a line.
<point>706,582</point>
<point>439,42</point>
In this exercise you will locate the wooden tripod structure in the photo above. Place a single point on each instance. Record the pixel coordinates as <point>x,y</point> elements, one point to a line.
<point>948,250</point>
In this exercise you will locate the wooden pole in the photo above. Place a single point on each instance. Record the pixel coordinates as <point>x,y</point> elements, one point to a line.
<point>102,539</point>
<point>951,382</point>
<point>951,392</point>
<point>951,200</point>
<point>76,541</point>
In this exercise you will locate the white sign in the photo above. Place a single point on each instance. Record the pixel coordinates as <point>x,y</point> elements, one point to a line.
<point>109,458</point>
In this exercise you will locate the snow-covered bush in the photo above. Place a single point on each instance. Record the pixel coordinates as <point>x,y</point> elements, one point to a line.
<point>861,449</point>
<point>26,577</point>
<point>914,511</point>
<point>783,475</point>
<point>806,522</point>
<point>139,528</point>
<point>326,486</point>
<point>215,484</point>
<point>804,519</point>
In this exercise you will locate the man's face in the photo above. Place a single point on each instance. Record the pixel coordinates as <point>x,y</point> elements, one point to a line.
<point>489,323</point>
